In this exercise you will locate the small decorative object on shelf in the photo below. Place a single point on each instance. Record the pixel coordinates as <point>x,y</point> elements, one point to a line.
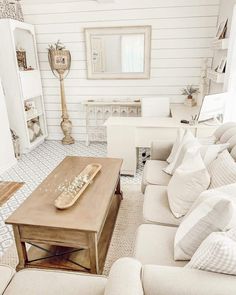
<point>189,91</point>
<point>30,109</point>
<point>21,59</point>
<point>60,62</point>
<point>71,192</point>
<point>16,144</point>
<point>222,30</point>
<point>34,129</point>
<point>11,9</point>
<point>222,65</point>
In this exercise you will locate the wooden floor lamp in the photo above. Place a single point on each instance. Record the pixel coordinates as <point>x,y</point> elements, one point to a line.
<point>60,62</point>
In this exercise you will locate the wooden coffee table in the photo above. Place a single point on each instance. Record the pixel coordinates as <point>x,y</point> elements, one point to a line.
<point>76,238</point>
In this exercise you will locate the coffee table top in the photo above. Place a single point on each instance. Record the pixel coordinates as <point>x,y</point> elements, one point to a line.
<point>90,210</point>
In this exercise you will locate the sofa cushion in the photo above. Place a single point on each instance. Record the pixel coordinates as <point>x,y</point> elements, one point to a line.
<point>216,253</point>
<point>188,182</point>
<point>155,245</point>
<point>222,129</point>
<point>222,170</point>
<point>153,173</point>
<point>176,145</point>
<point>6,274</point>
<point>38,282</point>
<point>156,206</point>
<point>187,142</point>
<point>166,280</point>
<point>212,211</point>
<point>228,134</point>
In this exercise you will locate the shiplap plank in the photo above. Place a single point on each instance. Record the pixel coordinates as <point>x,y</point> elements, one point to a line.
<point>157,34</point>
<point>161,81</point>
<point>145,14</point>
<point>156,44</point>
<point>79,6</point>
<point>165,23</point>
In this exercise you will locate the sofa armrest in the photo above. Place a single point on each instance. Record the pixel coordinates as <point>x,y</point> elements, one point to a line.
<point>162,280</point>
<point>6,274</point>
<point>125,278</point>
<point>160,150</point>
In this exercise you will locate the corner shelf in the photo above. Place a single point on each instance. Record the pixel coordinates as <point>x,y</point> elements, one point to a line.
<point>221,44</point>
<point>215,77</point>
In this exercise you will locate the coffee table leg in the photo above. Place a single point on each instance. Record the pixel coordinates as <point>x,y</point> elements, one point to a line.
<point>93,253</point>
<point>21,248</point>
<point>118,190</point>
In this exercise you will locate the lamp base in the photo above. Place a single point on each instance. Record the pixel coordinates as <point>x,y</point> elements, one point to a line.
<point>66,127</point>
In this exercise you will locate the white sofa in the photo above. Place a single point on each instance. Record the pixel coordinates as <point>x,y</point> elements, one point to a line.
<point>127,277</point>
<point>155,239</point>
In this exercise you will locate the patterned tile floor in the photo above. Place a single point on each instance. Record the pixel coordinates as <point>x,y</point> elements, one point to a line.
<point>32,168</point>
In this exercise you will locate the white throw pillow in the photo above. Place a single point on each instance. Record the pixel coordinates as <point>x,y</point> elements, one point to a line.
<point>212,211</point>
<point>222,170</point>
<point>190,179</point>
<point>187,142</point>
<point>179,138</point>
<point>210,152</point>
<point>217,253</point>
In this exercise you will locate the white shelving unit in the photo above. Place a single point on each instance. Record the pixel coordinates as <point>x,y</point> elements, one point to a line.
<point>216,77</point>
<point>218,45</point>
<point>22,86</point>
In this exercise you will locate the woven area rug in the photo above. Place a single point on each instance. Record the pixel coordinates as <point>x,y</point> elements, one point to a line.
<point>7,189</point>
<point>123,239</point>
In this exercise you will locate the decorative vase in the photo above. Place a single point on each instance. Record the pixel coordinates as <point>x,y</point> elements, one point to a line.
<point>189,101</point>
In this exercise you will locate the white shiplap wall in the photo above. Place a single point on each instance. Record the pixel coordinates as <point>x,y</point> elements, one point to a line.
<point>181,34</point>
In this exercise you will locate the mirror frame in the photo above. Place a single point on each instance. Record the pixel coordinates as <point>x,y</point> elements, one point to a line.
<point>146,30</point>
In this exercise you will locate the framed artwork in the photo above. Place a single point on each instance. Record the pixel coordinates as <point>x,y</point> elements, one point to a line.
<point>222,65</point>
<point>221,30</point>
<point>60,59</point>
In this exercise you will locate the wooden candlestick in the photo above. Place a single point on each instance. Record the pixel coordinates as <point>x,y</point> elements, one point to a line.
<point>66,124</point>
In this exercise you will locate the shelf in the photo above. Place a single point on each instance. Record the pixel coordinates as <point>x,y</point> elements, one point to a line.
<point>221,44</point>
<point>31,83</point>
<point>216,77</point>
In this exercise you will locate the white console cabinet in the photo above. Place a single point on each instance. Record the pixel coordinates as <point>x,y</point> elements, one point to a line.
<point>22,84</point>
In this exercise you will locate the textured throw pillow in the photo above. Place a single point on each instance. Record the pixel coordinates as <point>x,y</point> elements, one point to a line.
<point>190,179</point>
<point>217,253</point>
<point>179,138</point>
<point>222,170</point>
<point>208,214</point>
<point>210,152</point>
<point>187,142</point>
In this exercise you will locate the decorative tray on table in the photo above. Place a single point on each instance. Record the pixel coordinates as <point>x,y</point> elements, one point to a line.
<point>71,193</point>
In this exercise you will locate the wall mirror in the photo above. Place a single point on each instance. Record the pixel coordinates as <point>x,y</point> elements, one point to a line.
<point>118,52</point>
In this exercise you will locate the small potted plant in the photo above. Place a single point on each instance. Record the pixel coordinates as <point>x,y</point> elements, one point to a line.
<point>190,91</point>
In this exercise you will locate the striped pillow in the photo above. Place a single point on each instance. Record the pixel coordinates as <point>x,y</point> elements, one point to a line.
<point>208,214</point>
<point>222,170</point>
<point>217,253</point>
